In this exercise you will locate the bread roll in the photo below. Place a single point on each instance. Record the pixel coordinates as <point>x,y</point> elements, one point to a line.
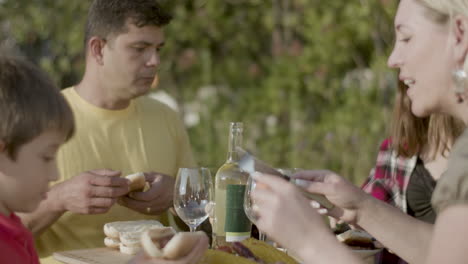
<point>137,181</point>
<point>112,242</point>
<point>114,229</point>
<point>131,239</point>
<point>129,250</point>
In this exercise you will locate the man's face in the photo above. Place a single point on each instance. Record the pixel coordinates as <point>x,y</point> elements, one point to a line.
<point>131,60</point>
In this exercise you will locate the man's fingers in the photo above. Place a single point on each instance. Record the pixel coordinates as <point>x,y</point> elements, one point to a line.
<point>102,202</point>
<point>139,205</point>
<point>97,210</point>
<point>106,172</point>
<point>108,192</point>
<point>144,196</point>
<point>109,181</point>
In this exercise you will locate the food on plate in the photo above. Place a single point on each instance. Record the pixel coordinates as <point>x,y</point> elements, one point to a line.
<point>248,251</point>
<point>155,82</point>
<point>129,250</point>
<point>137,181</point>
<point>112,242</point>
<point>131,239</point>
<point>125,235</point>
<point>357,239</point>
<point>113,229</point>
<point>165,243</point>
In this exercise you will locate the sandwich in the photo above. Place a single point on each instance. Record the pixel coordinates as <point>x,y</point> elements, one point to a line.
<point>137,182</point>
<point>165,243</point>
<point>125,235</point>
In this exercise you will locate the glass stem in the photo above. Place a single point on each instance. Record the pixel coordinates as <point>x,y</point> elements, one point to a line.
<point>192,228</point>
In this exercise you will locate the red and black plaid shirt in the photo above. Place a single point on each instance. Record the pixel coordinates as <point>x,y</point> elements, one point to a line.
<point>388,182</point>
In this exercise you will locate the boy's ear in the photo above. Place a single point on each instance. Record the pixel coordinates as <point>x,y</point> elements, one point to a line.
<point>2,146</point>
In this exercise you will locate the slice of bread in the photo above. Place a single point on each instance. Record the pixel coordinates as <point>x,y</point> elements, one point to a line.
<point>137,181</point>
<point>112,242</point>
<point>131,239</point>
<point>114,229</point>
<point>129,250</point>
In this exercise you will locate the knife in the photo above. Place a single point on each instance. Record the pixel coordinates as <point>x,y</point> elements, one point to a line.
<point>250,164</point>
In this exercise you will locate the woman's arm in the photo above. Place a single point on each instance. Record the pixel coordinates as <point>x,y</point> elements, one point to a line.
<point>449,243</point>
<point>408,237</point>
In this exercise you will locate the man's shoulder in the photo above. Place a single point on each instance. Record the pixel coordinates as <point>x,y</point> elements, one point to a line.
<point>151,104</point>
<point>68,92</point>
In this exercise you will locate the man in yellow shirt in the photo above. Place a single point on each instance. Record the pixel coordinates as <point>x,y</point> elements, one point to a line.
<point>119,132</point>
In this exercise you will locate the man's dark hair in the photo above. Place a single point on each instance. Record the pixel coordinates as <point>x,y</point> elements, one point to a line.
<point>30,104</point>
<point>106,17</point>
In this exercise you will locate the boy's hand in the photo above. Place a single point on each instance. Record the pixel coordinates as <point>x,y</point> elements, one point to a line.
<point>91,192</point>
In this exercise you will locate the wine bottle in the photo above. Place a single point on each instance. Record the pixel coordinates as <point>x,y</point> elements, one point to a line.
<point>231,223</point>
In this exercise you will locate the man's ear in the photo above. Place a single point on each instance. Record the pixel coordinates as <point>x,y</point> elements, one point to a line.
<point>96,49</point>
<point>460,33</point>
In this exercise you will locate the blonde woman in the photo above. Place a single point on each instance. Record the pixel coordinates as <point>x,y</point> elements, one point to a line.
<point>431,53</point>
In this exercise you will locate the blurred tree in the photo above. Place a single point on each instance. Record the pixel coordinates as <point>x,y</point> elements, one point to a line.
<point>307,77</point>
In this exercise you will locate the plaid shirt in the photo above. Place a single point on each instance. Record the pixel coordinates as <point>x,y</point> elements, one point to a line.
<point>388,182</point>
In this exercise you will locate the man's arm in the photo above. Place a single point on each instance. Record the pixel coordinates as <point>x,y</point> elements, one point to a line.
<point>92,192</point>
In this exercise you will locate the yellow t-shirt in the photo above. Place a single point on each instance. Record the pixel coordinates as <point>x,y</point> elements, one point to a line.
<point>146,136</point>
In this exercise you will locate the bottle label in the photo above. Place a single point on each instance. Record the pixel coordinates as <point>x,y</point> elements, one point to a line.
<point>237,224</point>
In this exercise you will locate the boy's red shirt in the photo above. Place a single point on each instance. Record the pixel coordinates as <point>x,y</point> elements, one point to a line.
<point>16,242</point>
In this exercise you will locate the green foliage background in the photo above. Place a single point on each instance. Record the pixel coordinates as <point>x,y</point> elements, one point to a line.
<point>307,77</point>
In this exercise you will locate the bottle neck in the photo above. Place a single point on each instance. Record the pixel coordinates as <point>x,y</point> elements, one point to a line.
<point>235,140</point>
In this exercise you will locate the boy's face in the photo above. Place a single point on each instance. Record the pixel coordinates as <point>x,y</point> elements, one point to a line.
<point>130,60</point>
<point>24,182</point>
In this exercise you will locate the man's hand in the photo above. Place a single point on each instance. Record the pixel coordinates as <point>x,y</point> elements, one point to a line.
<point>91,192</point>
<point>154,201</point>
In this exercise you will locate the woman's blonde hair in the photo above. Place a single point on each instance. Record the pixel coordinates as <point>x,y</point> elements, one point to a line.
<point>411,135</point>
<point>441,12</point>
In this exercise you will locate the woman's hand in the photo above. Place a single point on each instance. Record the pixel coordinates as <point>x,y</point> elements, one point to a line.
<point>193,257</point>
<point>286,215</point>
<point>346,197</point>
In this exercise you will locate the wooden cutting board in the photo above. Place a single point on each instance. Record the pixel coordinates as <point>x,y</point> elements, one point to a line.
<point>92,256</point>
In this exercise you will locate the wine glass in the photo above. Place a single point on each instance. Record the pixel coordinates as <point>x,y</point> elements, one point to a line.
<point>192,194</point>
<point>249,203</point>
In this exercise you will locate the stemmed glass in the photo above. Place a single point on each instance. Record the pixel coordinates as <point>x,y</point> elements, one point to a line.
<point>249,203</point>
<point>192,194</point>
